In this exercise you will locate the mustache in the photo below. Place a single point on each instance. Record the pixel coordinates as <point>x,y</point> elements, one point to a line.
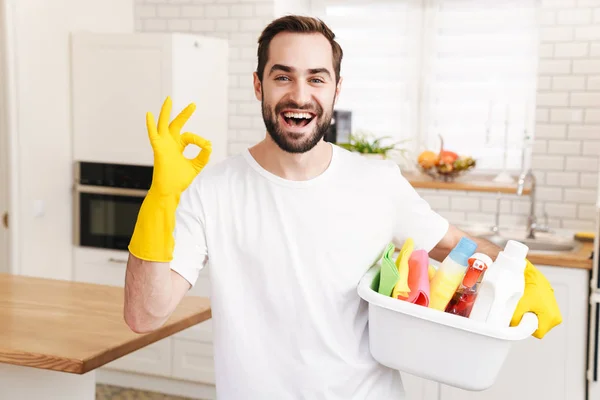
<point>314,108</point>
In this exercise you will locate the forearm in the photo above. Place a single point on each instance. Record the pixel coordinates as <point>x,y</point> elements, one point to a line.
<point>451,239</point>
<point>486,247</point>
<point>149,299</point>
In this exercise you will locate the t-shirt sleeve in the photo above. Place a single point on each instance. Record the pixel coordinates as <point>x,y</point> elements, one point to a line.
<point>190,253</point>
<point>415,218</point>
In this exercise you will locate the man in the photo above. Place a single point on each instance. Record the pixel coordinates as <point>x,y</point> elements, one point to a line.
<point>288,227</point>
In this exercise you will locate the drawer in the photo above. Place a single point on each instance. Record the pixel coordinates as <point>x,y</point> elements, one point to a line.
<point>193,361</point>
<point>154,359</point>
<point>105,267</point>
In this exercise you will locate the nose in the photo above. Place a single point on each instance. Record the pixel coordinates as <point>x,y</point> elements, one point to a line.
<point>301,93</point>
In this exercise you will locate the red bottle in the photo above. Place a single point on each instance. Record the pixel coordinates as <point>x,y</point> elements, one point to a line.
<point>464,297</point>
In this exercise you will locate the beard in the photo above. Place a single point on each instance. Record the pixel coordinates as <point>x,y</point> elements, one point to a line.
<point>293,142</point>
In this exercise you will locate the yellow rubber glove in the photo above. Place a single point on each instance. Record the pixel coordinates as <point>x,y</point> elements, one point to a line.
<point>152,238</point>
<point>539,299</point>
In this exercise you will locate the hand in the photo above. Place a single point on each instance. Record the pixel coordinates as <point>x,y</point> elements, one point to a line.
<point>152,238</point>
<point>173,172</point>
<point>539,299</point>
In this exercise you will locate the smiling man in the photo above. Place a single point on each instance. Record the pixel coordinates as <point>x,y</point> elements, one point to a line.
<point>288,227</point>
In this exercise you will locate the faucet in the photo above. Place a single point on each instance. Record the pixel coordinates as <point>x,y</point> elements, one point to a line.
<point>532,225</point>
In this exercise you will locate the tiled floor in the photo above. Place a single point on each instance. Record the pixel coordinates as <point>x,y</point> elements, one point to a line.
<point>107,392</point>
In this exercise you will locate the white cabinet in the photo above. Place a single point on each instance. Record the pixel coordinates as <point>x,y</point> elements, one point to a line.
<point>118,78</point>
<point>419,389</point>
<point>154,359</point>
<point>553,368</point>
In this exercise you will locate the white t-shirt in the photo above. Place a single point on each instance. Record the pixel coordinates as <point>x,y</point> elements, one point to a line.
<point>285,260</point>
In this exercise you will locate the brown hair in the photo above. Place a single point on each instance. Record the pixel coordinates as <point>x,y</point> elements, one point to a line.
<point>296,24</point>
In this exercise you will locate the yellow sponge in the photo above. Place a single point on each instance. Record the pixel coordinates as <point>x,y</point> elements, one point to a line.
<point>585,236</point>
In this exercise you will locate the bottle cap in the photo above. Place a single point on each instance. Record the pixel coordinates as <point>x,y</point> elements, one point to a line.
<point>512,257</point>
<point>478,263</point>
<point>463,250</point>
<point>516,249</point>
<point>483,257</point>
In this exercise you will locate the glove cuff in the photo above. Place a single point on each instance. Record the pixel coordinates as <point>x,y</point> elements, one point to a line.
<point>152,238</point>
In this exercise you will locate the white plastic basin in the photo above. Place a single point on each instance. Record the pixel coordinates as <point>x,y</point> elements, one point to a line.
<point>435,345</point>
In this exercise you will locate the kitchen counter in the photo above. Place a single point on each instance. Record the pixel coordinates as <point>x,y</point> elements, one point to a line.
<point>55,333</point>
<point>579,258</point>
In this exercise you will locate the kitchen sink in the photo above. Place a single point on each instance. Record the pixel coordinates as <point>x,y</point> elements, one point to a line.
<point>543,242</point>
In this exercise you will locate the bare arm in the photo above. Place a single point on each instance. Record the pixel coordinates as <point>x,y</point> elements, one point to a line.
<point>152,292</point>
<point>451,239</point>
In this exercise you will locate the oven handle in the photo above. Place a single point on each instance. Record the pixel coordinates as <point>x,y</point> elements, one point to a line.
<point>110,190</point>
<point>117,261</point>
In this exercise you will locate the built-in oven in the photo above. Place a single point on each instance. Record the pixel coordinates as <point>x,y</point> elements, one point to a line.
<point>107,201</point>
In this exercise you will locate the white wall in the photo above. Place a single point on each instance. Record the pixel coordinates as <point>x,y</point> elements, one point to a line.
<point>43,125</point>
<point>300,7</point>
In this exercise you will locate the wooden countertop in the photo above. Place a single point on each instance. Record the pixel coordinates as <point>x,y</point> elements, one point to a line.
<point>75,327</point>
<point>474,183</point>
<point>580,258</point>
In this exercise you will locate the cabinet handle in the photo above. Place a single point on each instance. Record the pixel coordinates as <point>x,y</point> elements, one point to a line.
<point>5,219</point>
<point>596,348</point>
<point>117,261</point>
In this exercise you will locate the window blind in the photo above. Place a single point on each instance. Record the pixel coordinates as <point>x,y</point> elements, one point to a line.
<point>479,79</point>
<point>462,69</point>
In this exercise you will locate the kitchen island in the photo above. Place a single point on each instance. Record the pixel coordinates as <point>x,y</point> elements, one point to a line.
<point>54,334</point>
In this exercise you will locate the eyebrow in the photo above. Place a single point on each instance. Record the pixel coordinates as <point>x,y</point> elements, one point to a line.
<point>312,71</point>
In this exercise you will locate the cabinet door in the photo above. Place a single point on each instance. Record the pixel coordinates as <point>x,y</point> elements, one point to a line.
<point>200,75</point>
<point>419,389</point>
<point>105,267</point>
<point>154,359</point>
<point>193,358</point>
<point>117,78</point>
<point>193,347</point>
<point>552,368</point>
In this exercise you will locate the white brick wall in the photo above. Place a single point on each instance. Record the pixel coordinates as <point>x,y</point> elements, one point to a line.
<point>567,144</point>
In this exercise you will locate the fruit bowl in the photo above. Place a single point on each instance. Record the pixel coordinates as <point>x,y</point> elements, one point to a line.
<point>437,172</point>
<point>444,165</point>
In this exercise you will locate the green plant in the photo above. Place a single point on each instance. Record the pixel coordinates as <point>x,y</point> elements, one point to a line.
<point>365,143</point>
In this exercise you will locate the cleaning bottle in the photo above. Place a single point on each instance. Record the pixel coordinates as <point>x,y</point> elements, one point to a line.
<point>502,286</point>
<point>462,301</point>
<point>450,274</point>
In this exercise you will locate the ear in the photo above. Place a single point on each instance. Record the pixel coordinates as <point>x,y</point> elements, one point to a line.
<point>338,89</point>
<point>257,87</point>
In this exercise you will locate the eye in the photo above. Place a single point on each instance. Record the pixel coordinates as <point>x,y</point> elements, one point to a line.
<point>317,80</point>
<point>282,78</point>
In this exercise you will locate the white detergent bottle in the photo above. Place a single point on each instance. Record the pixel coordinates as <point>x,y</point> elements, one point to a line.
<point>502,286</point>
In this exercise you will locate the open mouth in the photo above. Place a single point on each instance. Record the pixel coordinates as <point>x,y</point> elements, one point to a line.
<point>297,119</point>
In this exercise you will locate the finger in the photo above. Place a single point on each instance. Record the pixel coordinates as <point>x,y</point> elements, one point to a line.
<point>205,145</point>
<point>180,120</point>
<point>165,114</point>
<point>151,127</point>
<point>522,308</point>
<point>542,329</point>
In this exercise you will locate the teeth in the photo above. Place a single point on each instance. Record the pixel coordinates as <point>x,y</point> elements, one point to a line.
<point>297,115</point>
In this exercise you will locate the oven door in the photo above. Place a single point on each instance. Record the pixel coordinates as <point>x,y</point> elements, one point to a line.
<point>106,216</point>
